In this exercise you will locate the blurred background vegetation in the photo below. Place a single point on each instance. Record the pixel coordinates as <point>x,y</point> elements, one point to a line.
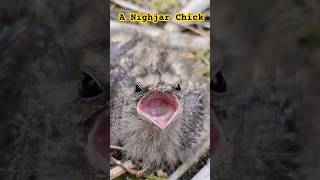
<point>179,36</point>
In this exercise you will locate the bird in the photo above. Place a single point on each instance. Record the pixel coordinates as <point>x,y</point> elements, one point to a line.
<point>160,108</point>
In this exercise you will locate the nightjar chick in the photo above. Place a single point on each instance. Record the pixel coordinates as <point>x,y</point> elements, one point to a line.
<point>159,105</point>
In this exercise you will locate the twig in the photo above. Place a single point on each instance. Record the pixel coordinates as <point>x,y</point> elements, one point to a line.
<point>193,6</point>
<point>186,165</point>
<point>117,148</point>
<point>118,171</point>
<point>134,7</point>
<point>131,6</point>
<point>207,36</point>
<point>129,170</point>
<point>174,39</point>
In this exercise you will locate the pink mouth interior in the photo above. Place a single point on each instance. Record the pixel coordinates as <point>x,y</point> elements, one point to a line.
<point>101,135</point>
<point>98,141</point>
<point>160,108</point>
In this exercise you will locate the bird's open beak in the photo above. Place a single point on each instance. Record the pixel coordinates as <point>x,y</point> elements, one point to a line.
<point>98,141</point>
<point>160,108</point>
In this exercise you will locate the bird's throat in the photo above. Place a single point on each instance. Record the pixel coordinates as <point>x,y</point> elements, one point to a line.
<point>159,108</point>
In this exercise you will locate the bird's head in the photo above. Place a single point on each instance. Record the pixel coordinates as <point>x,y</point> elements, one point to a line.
<point>158,100</point>
<point>157,90</point>
<point>92,97</point>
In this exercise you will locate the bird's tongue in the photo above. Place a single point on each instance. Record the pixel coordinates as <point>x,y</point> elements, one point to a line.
<point>159,108</point>
<point>160,111</point>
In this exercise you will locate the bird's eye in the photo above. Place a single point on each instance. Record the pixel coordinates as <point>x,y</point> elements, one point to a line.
<point>178,87</point>
<point>89,88</point>
<point>219,84</point>
<point>138,88</point>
